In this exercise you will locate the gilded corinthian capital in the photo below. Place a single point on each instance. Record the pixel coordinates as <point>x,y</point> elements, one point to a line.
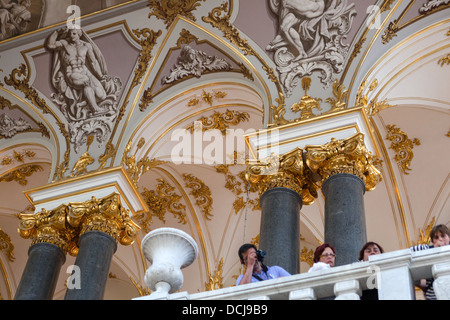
<point>344,156</point>
<point>286,171</point>
<point>64,225</point>
<point>49,227</point>
<point>106,215</point>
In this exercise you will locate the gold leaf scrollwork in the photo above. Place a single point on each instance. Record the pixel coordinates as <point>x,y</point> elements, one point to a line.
<point>168,10</point>
<point>6,245</point>
<point>220,121</point>
<point>215,281</point>
<point>402,146</point>
<point>201,192</point>
<point>344,156</point>
<point>159,202</point>
<point>21,174</point>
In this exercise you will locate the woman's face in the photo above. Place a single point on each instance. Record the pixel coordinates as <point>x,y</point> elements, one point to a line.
<point>328,257</point>
<point>370,251</point>
<point>440,239</point>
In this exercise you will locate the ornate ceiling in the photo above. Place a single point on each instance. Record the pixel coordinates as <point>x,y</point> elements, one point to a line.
<point>166,69</point>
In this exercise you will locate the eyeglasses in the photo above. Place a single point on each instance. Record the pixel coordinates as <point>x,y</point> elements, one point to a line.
<point>326,255</point>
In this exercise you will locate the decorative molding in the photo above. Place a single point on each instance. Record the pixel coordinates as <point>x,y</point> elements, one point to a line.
<point>371,107</point>
<point>215,281</point>
<point>344,156</point>
<point>160,201</point>
<point>428,8</point>
<point>201,192</point>
<point>307,103</point>
<point>424,236</point>
<point>6,245</point>
<point>192,62</point>
<point>135,168</point>
<point>220,121</point>
<point>168,10</point>
<point>402,146</point>
<point>21,173</point>
<point>206,97</point>
<point>64,225</point>
<point>307,256</point>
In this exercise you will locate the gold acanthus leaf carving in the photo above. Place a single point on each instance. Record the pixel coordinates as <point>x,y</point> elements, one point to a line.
<point>286,170</point>
<point>64,225</point>
<point>424,237</point>
<point>445,60</point>
<point>215,281</point>
<point>201,193</point>
<point>344,156</point>
<point>160,201</point>
<point>220,121</point>
<point>6,245</point>
<point>402,146</point>
<point>21,173</point>
<point>371,107</point>
<point>168,10</point>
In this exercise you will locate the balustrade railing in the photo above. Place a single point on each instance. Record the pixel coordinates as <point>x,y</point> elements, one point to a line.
<point>393,274</point>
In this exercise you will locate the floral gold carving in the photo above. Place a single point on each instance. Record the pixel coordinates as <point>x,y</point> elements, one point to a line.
<point>168,10</point>
<point>344,156</point>
<point>160,201</point>
<point>402,146</point>
<point>221,121</point>
<point>424,236</point>
<point>307,103</point>
<point>201,192</point>
<point>21,173</point>
<point>215,281</point>
<point>6,245</point>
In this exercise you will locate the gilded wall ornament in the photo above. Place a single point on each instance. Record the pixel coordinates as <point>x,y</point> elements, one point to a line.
<point>306,103</point>
<point>402,146</point>
<point>310,38</point>
<point>168,10</point>
<point>64,225</point>
<point>373,106</point>
<point>21,174</point>
<point>220,121</point>
<point>86,94</point>
<point>201,192</point>
<point>160,201</point>
<point>344,156</point>
<point>424,236</point>
<point>6,245</point>
<point>215,281</point>
<point>206,97</point>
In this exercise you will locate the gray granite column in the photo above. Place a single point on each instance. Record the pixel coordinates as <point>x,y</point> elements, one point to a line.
<point>93,261</point>
<point>280,228</point>
<point>345,222</point>
<point>41,272</point>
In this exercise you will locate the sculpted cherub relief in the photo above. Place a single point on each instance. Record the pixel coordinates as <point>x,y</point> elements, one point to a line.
<point>86,94</point>
<point>310,38</point>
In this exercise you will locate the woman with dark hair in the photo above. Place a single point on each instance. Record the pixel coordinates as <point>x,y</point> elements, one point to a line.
<point>324,257</point>
<point>369,249</point>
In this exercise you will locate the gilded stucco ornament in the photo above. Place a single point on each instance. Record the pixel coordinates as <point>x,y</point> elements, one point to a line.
<point>286,170</point>
<point>64,225</point>
<point>344,156</point>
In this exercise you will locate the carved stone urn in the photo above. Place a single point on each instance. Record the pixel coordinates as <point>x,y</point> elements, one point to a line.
<point>169,250</point>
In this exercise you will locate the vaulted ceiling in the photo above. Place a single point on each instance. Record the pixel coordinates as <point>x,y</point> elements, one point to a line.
<point>176,67</point>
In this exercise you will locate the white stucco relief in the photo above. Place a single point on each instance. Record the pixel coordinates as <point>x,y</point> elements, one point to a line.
<point>86,94</point>
<point>309,39</point>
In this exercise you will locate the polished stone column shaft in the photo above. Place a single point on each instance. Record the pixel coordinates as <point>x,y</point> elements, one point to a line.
<point>93,261</point>
<point>345,224</point>
<point>41,272</point>
<point>280,228</point>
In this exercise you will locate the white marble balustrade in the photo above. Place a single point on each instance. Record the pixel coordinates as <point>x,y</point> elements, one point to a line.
<point>392,273</point>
